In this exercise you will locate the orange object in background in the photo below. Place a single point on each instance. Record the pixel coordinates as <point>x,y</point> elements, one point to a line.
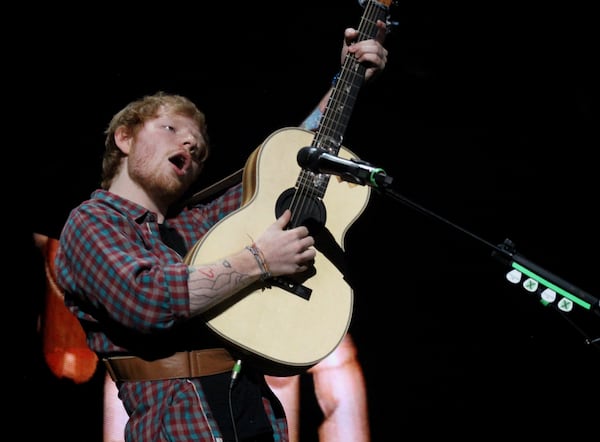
<point>63,340</point>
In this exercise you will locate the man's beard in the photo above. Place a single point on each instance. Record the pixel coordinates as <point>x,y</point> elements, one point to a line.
<point>161,187</point>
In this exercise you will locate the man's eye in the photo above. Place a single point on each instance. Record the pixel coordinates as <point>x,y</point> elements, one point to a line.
<point>170,128</point>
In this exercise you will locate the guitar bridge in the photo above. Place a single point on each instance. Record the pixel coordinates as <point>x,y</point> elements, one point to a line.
<point>292,287</point>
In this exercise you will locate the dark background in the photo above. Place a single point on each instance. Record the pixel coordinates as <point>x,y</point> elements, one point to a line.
<point>485,117</point>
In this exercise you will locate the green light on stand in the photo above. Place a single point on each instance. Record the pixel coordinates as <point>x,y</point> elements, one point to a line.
<point>554,287</point>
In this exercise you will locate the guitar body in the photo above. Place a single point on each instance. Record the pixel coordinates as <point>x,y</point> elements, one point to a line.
<point>285,331</point>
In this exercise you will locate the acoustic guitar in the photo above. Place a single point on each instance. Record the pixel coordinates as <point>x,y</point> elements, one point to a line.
<point>290,324</point>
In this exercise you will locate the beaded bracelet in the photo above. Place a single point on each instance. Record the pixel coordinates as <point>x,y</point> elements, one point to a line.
<point>260,260</point>
<point>335,79</point>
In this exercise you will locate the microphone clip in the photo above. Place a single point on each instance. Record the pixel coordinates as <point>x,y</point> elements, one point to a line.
<point>367,175</point>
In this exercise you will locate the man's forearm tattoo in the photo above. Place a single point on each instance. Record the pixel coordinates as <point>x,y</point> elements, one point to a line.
<point>213,283</point>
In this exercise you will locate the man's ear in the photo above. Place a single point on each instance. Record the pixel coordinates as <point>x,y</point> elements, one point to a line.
<point>123,139</point>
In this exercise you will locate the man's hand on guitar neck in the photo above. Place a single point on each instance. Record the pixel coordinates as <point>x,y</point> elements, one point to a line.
<point>369,52</point>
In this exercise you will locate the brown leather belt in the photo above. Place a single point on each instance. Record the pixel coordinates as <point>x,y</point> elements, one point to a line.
<point>186,364</point>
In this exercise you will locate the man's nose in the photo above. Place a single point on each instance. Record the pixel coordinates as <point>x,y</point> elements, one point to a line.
<point>188,139</point>
<point>192,146</point>
<point>189,142</point>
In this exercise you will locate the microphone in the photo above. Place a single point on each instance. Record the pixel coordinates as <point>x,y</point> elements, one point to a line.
<point>353,170</point>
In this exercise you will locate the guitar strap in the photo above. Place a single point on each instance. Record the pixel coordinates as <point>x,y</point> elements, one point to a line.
<point>215,188</point>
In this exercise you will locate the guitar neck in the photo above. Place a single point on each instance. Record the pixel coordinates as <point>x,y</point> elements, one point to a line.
<point>330,134</point>
<point>336,116</point>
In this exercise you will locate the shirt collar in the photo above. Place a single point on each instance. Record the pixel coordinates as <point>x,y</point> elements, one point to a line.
<point>133,210</point>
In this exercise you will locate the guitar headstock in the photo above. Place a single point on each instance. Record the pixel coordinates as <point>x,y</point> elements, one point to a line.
<point>385,4</point>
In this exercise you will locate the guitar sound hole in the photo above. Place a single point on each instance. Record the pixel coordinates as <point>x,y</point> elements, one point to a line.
<point>306,211</point>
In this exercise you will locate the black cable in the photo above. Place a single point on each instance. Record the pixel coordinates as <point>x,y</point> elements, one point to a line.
<point>234,373</point>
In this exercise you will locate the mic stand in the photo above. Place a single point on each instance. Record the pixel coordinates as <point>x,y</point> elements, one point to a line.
<point>539,280</point>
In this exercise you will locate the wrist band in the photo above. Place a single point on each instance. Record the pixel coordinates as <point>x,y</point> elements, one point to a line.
<point>335,79</point>
<point>260,260</point>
